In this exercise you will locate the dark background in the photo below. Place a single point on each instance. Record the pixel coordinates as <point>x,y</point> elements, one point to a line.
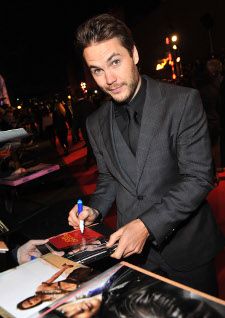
<point>37,55</point>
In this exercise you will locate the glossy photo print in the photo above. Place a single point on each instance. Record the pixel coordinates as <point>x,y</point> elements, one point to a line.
<point>124,292</point>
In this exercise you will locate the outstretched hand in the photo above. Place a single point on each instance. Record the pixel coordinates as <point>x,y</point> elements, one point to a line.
<point>29,249</point>
<point>131,239</point>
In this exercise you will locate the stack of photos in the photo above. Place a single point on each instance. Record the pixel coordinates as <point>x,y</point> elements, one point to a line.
<point>127,291</point>
<point>84,248</point>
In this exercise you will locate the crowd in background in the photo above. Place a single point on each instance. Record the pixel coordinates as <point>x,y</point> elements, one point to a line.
<point>51,120</point>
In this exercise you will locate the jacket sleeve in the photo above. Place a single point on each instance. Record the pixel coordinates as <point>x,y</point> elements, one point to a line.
<point>105,193</point>
<point>195,178</point>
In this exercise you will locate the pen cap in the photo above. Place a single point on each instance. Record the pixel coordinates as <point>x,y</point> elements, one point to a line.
<point>80,205</point>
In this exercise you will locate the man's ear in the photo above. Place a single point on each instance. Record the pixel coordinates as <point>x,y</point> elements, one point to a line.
<point>135,55</point>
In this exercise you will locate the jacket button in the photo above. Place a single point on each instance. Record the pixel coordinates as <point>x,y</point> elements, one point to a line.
<point>140,197</point>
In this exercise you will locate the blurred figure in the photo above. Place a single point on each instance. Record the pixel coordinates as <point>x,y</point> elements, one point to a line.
<point>210,94</point>
<point>222,118</point>
<point>84,107</point>
<point>4,97</point>
<point>48,127</point>
<point>60,126</point>
<point>72,121</point>
<point>8,120</point>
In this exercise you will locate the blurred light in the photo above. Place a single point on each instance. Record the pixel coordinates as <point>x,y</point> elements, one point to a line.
<point>167,40</point>
<point>174,76</point>
<point>85,91</point>
<point>95,91</point>
<point>69,96</point>
<point>83,85</point>
<point>19,107</point>
<point>17,99</point>
<point>174,38</point>
<point>178,59</point>
<point>161,65</point>
<point>174,47</point>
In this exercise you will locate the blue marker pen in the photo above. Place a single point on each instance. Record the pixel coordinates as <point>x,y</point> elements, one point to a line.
<point>80,209</point>
<point>32,257</point>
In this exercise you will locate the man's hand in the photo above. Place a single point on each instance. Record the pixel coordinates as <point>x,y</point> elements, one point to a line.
<point>88,215</point>
<point>131,239</point>
<point>29,249</point>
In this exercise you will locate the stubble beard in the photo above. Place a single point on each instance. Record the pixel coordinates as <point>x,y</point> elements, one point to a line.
<point>130,92</point>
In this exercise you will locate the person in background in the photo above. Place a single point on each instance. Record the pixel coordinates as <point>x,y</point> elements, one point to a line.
<point>153,153</point>
<point>60,125</point>
<point>4,97</point>
<point>84,107</point>
<point>211,99</point>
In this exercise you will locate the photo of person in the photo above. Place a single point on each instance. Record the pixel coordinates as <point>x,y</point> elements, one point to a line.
<point>154,301</point>
<point>129,293</point>
<point>89,251</point>
<point>87,307</point>
<point>51,290</point>
<point>87,246</point>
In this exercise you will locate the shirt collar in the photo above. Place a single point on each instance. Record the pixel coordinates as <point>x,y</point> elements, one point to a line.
<point>137,103</point>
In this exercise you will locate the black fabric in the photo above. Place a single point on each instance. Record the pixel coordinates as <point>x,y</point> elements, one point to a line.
<point>202,277</point>
<point>121,113</point>
<point>133,129</point>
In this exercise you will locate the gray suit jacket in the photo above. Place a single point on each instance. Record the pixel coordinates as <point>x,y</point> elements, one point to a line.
<point>167,183</point>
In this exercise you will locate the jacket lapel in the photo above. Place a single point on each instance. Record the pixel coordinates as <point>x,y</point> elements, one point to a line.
<point>150,124</point>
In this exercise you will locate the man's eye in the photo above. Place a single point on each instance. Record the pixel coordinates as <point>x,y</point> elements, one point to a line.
<point>115,62</point>
<point>96,71</point>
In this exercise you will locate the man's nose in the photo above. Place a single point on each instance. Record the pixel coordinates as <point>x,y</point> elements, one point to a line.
<point>110,78</point>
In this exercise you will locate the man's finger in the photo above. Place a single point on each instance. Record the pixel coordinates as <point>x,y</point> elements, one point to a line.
<point>117,254</point>
<point>83,215</point>
<point>74,223</point>
<point>114,238</point>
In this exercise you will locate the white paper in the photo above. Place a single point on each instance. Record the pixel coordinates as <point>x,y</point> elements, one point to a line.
<point>7,135</point>
<point>21,282</point>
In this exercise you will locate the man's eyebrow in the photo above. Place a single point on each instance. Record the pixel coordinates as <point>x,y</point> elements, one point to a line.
<point>112,56</point>
<point>108,60</point>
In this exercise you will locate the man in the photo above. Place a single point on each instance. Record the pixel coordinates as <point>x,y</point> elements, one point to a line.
<point>157,164</point>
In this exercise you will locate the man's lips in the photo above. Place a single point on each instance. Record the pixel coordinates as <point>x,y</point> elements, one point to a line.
<point>116,89</point>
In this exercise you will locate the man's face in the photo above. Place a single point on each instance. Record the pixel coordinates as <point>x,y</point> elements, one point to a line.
<point>31,302</point>
<point>113,69</point>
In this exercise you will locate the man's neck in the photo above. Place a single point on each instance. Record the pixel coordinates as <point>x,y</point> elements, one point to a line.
<point>137,88</point>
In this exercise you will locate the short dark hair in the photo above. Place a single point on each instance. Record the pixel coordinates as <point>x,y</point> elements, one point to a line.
<point>104,27</point>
